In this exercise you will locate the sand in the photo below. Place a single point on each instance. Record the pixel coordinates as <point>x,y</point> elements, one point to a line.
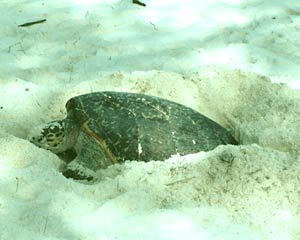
<point>234,61</point>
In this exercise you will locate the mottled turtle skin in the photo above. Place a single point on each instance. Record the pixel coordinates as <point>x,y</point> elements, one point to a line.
<point>104,128</point>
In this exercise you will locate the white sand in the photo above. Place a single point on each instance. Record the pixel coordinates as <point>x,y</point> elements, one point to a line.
<point>209,56</point>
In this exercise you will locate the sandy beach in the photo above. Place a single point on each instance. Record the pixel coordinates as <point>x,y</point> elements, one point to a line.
<point>235,61</point>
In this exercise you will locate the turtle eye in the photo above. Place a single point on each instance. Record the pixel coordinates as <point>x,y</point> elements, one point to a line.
<point>50,135</point>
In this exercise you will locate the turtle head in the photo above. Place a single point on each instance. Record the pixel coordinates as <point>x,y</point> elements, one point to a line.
<point>57,136</point>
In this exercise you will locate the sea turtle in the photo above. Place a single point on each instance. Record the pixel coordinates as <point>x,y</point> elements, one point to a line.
<point>103,128</point>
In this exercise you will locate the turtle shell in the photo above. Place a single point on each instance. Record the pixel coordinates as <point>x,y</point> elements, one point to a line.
<point>142,127</point>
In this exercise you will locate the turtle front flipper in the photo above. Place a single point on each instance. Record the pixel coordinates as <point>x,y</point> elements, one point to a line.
<point>92,155</point>
<point>77,175</point>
